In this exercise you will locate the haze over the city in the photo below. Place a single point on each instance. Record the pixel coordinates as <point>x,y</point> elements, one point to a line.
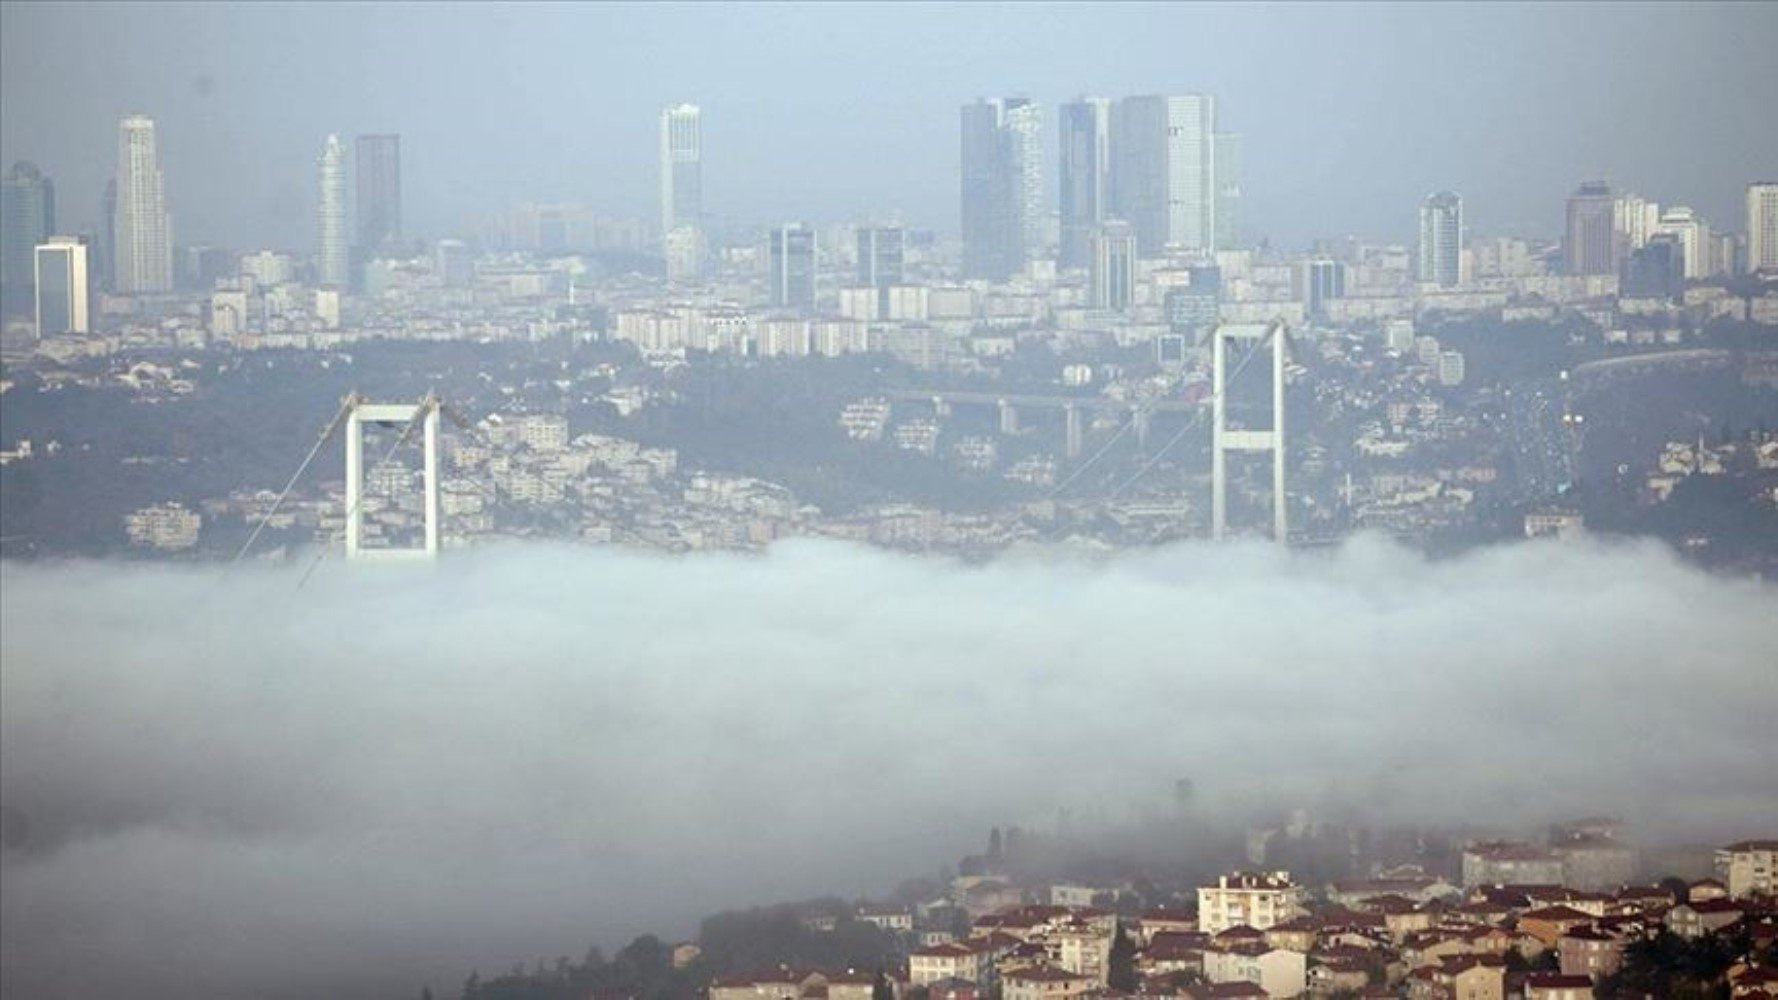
<point>1350,113</point>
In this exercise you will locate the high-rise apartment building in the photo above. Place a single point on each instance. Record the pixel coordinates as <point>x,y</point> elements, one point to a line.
<point>1762,227</point>
<point>1633,219</point>
<point>1163,171</point>
<point>1002,186</point>
<point>1226,159</point>
<point>1322,279</point>
<point>881,261</point>
<point>144,231</point>
<point>61,286</point>
<point>331,260</point>
<point>1693,234</point>
<point>792,254</point>
<point>379,194</point>
<point>1084,170</point>
<point>1590,245</point>
<point>1441,240</point>
<point>27,217</point>
<point>1114,266</point>
<point>682,168</point>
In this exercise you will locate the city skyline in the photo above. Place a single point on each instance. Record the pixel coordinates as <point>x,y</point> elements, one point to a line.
<point>760,137</point>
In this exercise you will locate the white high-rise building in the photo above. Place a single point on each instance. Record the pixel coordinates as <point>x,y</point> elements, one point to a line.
<point>60,274</point>
<point>1024,135</point>
<point>1163,167</point>
<point>1441,240</point>
<point>1693,236</point>
<point>1762,226</point>
<point>330,219</point>
<point>1634,218</point>
<point>144,233</point>
<point>682,168</point>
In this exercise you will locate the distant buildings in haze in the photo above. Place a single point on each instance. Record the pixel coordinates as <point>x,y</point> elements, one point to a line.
<point>1441,240</point>
<point>144,237</point>
<point>27,218</point>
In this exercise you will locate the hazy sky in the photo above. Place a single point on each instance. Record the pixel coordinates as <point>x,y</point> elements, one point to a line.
<point>1352,113</point>
<point>232,788</point>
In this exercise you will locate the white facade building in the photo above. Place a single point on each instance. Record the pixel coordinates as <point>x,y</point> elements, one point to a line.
<point>1762,226</point>
<point>144,232</point>
<point>330,215</point>
<point>1256,899</point>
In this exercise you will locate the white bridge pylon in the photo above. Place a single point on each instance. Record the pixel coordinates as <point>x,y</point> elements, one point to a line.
<point>1223,440</point>
<point>404,415</point>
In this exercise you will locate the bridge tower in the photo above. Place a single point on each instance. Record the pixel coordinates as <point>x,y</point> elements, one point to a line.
<point>406,416</point>
<point>1224,440</point>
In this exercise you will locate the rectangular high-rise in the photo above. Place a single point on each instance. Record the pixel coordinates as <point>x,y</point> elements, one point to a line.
<point>1114,266</point>
<point>331,261</point>
<point>1163,171</point>
<point>792,254</point>
<point>880,261</point>
<point>144,231</point>
<point>27,217</point>
<point>1084,171</point>
<point>1590,245</point>
<point>1002,186</point>
<point>1441,240</point>
<point>379,194</point>
<point>1225,158</point>
<point>1762,227</point>
<point>61,286</point>
<point>682,168</point>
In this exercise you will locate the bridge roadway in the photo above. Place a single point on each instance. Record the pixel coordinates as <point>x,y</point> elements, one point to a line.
<point>1017,399</point>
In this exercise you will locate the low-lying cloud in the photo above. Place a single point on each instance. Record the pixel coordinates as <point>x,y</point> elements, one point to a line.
<point>231,786</point>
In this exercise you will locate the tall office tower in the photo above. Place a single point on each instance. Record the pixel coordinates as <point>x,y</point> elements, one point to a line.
<point>1693,235</point>
<point>1003,212</point>
<point>1163,171</point>
<point>1441,240</point>
<point>1226,159</point>
<point>682,168</point>
<point>880,261</point>
<point>1633,220</point>
<point>1591,244</point>
<point>144,232</point>
<point>379,194</point>
<point>1655,270</point>
<point>330,218</point>
<point>1322,279</point>
<point>1114,266</point>
<point>1084,169</point>
<point>1024,161</point>
<point>793,266</point>
<point>107,266</point>
<point>27,217</point>
<point>61,287</point>
<point>1762,227</point>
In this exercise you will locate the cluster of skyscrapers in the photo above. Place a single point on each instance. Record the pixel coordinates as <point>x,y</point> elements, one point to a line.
<point>1155,164</point>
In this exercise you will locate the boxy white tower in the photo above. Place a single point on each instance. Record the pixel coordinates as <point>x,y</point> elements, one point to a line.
<point>1223,440</point>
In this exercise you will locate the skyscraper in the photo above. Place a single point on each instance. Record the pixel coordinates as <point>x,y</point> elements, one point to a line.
<point>379,194</point>
<point>1762,227</point>
<point>1226,159</point>
<point>1693,234</point>
<point>880,261</point>
<point>1084,170</point>
<point>682,168</point>
<point>1591,243</point>
<point>1441,240</point>
<point>61,287</point>
<point>144,240</point>
<point>330,218</point>
<point>1002,186</point>
<point>27,217</point>
<point>1322,279</point>
<point>792,255</point>
<point>1163,171</point>
<point>1114,266</point>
